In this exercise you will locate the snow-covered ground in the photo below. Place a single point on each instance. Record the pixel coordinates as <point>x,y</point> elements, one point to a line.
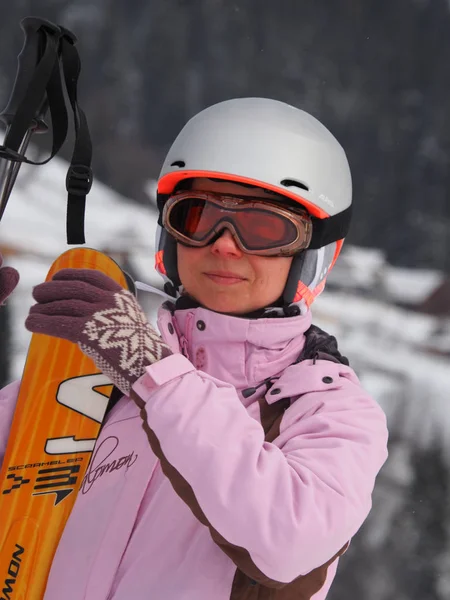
<point>389,347</point>
<point>368,271</point>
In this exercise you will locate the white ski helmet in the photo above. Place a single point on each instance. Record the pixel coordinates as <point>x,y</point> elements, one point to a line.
<point>269,144</point>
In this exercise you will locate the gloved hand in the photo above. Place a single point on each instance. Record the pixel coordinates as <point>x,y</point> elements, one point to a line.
<point>9,278</point>
<point>90,309</point>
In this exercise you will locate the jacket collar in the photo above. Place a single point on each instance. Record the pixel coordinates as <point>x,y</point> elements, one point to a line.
<point>240,351</point>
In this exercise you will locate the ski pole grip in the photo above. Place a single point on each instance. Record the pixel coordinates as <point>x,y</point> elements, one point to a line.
<point>29,57</point>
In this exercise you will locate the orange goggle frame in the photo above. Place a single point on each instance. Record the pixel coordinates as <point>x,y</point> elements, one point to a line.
<point>196,219</point>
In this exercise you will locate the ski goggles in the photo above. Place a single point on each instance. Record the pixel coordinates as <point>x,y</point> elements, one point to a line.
<point>197,219</point>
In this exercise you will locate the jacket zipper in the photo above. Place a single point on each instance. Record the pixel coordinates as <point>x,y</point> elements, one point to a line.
<point>183,339</point>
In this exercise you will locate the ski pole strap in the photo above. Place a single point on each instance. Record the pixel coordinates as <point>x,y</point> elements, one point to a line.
<point>49,51</point>
<point>79,176</point>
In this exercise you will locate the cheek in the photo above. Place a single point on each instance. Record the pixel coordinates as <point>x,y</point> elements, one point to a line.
<point>272,272</point>
<point>188,262</point>
<point>181,258</point>
<point>184,261</point>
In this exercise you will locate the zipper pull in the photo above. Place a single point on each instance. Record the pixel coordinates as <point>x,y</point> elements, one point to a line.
<point>184,347</point>
<point>181,338</point>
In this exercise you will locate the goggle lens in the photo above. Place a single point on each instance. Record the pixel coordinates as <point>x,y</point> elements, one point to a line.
<point>258,229</point>
<point>259,226</point>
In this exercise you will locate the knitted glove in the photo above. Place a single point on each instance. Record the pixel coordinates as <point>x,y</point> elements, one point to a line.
<point>9,278</point>
<point>88,308</point>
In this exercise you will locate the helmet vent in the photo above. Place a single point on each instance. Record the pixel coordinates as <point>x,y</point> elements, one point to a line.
<point>178,163</point>
<point>294,183</point>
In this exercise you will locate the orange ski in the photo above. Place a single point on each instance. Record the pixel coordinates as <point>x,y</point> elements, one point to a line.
<point>61,404</point>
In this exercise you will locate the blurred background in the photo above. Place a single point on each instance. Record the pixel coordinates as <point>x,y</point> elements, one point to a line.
<point>377,75</point>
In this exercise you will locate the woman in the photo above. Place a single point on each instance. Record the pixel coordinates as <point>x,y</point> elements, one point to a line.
<point>242,457</point>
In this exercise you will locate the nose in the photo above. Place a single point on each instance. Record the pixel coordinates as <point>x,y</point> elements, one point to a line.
<point>226,246</point>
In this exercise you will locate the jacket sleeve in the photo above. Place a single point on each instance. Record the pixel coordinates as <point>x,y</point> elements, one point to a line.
<point>8,399</point>
<point>280,509</point>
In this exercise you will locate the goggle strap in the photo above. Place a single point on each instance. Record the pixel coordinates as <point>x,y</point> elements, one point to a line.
<point>331,229</point>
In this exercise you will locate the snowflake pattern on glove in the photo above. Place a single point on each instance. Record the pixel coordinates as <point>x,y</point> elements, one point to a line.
<point>122,336</point>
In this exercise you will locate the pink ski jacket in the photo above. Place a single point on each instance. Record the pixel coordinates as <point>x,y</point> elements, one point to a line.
<point>196,491</point>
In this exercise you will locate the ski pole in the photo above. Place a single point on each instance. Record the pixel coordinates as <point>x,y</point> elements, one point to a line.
<point>47,64</point>
<point>28,62</point>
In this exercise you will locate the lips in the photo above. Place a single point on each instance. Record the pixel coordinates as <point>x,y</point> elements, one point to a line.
<point>225,274</point>
<point>225,277</point>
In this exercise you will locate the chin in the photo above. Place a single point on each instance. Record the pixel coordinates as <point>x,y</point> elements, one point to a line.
<point>226,308</point>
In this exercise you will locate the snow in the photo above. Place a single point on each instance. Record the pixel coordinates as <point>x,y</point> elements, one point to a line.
<point>358,267</point>
<point>367,269</point>
<point>411,286</point>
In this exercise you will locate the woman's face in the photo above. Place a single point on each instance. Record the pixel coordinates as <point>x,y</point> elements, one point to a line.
<point>221,276</point>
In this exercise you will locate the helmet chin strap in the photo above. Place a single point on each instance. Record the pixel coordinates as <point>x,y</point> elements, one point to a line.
<point>290,289</point>
<point>278,309</point>
<point>145,287</point>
